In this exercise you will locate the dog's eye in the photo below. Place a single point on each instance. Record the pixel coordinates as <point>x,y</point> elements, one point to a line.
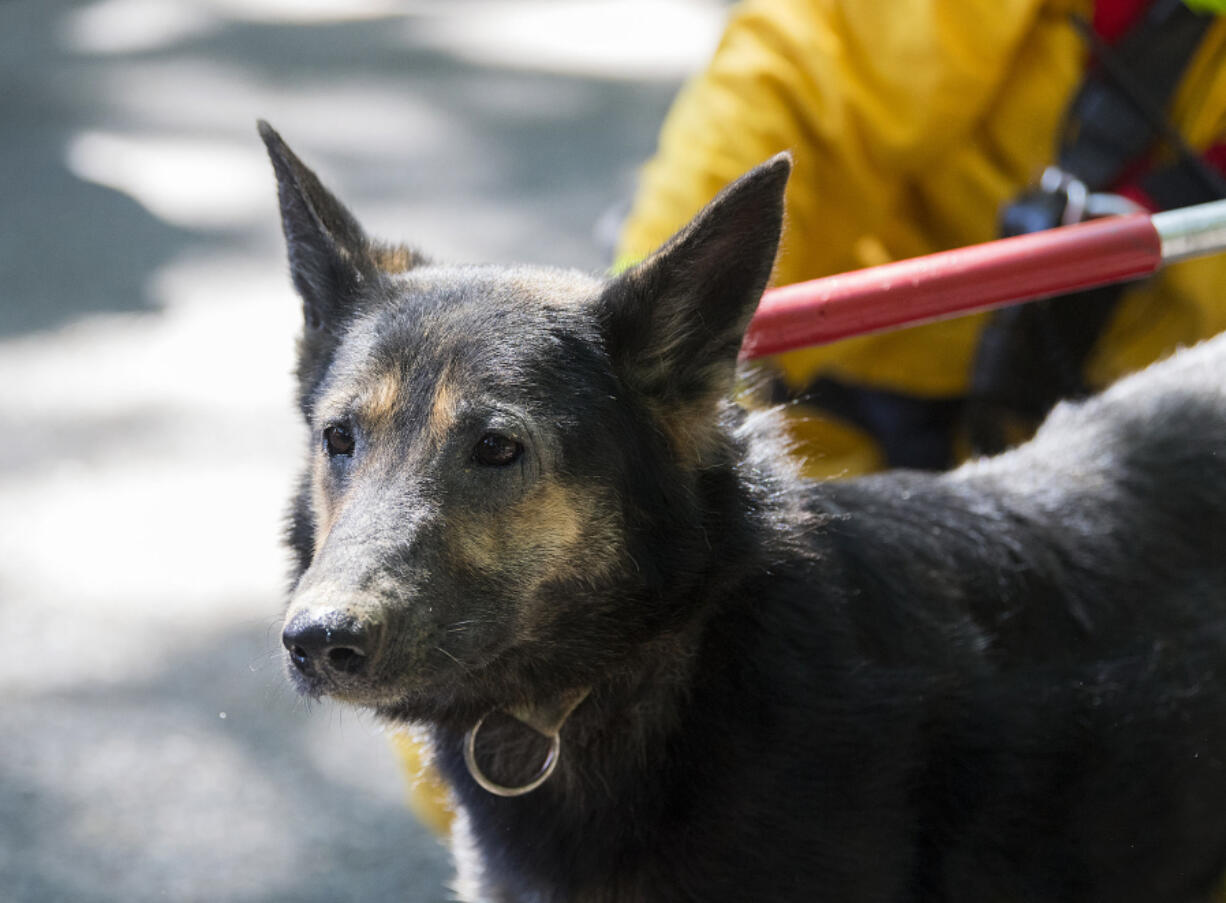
<point>495,450</point>
<point>338,441</point>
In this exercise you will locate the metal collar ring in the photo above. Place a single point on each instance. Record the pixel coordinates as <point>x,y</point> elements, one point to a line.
<point>547,767</point>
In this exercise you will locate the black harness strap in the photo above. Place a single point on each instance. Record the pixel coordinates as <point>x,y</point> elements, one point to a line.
<point>1031,356</point>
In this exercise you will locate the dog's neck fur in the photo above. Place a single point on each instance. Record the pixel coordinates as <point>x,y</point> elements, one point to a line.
<point>622,736</point>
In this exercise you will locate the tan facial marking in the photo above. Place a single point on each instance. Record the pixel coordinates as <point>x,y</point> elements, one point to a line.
<point>443,408</point>
<point>541,527</point>
<point>691,430</point>
<point>394,259</point>
<point>325,503</point>
<point>557,532</point>
<point>321,503</point>
<point>379,402</point>
<point>553,517</point>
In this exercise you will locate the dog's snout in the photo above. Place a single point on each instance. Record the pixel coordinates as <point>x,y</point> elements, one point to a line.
<point>329,643</point>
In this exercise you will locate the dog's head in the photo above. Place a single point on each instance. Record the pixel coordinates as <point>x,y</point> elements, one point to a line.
<point>501,498</point>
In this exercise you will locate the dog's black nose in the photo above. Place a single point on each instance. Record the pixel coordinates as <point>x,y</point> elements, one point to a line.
<point>330,642</point>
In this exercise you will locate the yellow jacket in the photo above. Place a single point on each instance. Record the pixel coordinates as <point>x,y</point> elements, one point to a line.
<point>912,122</point>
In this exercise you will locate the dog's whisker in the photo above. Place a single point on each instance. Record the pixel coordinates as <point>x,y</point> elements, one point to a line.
<point>264,660</point>
<point>452,657</point>
<point>462,626</point>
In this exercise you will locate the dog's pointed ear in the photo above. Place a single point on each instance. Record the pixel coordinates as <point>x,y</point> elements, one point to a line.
<point>329,253</point>
<point>673,324</point>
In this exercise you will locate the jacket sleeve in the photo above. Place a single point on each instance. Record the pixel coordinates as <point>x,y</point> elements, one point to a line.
<point>910,122</point>
<point>867,96</point>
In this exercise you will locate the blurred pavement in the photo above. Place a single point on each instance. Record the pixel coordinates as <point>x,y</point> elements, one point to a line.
<point>150,747</point>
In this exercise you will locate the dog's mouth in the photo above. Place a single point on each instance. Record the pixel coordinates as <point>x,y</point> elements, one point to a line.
<point>373,664</point>
<point>382,686</point>
<point>511,747</point>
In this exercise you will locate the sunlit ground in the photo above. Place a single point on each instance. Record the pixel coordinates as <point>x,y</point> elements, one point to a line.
<point>149,749</point>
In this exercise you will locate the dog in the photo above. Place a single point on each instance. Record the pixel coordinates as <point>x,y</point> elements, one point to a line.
<point>655,664</point>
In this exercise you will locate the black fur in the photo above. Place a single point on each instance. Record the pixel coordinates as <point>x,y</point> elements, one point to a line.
<point>1002,683</point>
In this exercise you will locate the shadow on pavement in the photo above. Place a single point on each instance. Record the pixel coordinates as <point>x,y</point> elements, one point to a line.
<point>206,781</point>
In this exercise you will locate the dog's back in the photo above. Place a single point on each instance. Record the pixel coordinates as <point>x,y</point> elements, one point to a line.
<point>1060,549</point>
<point>1063,607</point>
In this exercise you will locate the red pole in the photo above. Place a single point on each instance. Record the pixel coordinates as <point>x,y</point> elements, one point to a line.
<point>951,283</point>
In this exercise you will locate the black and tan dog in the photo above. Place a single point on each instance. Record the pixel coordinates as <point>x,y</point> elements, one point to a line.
<point>657,665</point>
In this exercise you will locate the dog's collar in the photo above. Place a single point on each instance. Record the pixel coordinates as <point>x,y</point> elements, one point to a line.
<point>546,720</point>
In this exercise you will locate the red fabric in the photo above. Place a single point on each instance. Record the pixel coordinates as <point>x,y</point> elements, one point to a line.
<point>1134,193</point>
<point>1114,17</point>
<point>1216,157</point>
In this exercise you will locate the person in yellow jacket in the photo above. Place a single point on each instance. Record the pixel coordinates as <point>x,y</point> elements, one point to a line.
<point>912,124</point>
